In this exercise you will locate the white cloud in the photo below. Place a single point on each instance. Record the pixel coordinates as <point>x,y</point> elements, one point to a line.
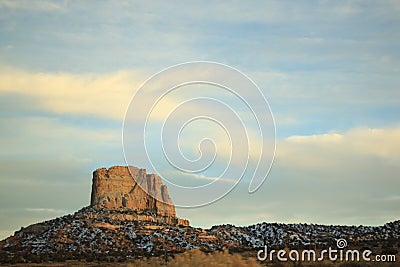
<point>203,177</point>
<point>105,95</point>
<point>334,149</point>
<point>316,138</point>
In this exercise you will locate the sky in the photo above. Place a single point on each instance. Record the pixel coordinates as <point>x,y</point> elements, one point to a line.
<point>330,71</point>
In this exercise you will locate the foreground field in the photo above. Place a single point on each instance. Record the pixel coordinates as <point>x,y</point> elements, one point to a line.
<point>196,258</point>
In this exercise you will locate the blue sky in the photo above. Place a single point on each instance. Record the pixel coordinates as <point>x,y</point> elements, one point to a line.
<point>329,69</point>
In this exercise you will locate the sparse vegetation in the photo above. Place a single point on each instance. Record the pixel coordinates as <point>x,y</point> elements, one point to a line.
<point>198,258</point>
<point>91,235</point>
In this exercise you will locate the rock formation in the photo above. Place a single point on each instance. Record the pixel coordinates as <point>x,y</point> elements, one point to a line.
<point>122,187</point>
<point>123,222</point>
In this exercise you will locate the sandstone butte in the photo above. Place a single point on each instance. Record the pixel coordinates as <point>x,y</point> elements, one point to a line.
<point>121,187</point>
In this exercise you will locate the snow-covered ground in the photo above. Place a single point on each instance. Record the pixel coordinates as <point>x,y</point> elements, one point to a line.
<point>99,231</point>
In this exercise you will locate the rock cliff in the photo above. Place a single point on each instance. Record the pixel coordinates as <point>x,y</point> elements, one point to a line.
<point>125,187</point>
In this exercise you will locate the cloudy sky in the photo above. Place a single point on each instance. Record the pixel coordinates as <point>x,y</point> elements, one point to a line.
<point>329,69</point>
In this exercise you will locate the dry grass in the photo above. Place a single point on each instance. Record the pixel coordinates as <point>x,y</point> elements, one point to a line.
<point>193,258</point>
<point>197,258</point>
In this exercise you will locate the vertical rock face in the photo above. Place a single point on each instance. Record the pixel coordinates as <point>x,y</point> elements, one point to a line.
<point>116,187</point>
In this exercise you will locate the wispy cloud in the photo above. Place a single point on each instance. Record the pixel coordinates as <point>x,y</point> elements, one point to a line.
<point>204,177</point>
<point>46,210</point>
<point>41,5</point>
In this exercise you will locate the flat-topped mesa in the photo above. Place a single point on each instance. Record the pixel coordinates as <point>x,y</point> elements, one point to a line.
<point>116,187</point>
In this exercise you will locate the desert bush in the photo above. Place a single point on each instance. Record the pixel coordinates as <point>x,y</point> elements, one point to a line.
<point>200,259</point>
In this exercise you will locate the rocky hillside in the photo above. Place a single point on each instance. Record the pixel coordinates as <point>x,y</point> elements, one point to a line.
<point>304,235</point>
<point>123,222</point>
<point>120,234</point>
<point>100,234</point>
